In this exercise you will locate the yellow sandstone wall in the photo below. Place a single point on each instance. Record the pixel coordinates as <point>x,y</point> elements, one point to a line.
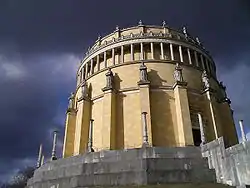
<point>126,121</point>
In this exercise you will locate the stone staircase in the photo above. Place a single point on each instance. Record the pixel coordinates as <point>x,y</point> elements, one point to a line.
<point>152,166</point>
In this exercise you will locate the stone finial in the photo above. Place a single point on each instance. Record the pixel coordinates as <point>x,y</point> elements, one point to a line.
<point>109,80</point>
<point>39,156</point>
<point>143,74</point>
<point>164,23</point>
<point>178,73</point>
<point>71,101</point>
<point>53,155</point>
<point>140,23</point>
<point>205,80</point>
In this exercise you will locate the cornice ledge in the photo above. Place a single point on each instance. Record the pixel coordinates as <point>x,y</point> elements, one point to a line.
<point>181,84</point>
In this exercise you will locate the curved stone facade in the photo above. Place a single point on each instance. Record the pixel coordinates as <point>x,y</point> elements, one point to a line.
<point>146,85</point>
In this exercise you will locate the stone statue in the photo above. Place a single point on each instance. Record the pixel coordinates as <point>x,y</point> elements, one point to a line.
<point>223,97</point>
<point>117,28</point>
<point>178,73</point>
<point>143,73</point>
<point>205,80</point>
<point>223,90</point>
<point>198,40</point>
<point>109,79</point>
<point>163,23</point>
<point>140,22</point>
<point>99,40</point>
<point>71,101</point>
<point>84,89</point>
<point>184,30</point>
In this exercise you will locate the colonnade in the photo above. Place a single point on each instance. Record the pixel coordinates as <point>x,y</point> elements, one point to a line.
<point>168,51</point>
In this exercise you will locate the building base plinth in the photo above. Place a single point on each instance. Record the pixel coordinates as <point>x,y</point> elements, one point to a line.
<point>144,167</point>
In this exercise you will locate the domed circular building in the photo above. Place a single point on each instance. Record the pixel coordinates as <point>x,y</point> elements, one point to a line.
<point>147,86</point>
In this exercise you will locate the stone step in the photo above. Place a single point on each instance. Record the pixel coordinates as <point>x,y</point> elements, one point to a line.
<point>130,154</point>
<point>166,164</point>
<point>130,178</point>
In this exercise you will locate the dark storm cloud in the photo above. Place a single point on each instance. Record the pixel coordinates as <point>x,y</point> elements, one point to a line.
<point>74,25</point>
<point>33,101</point>
<point>41,42</point>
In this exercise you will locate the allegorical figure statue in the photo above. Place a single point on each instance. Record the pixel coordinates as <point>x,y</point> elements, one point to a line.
<point>184,30</point>
<point>205,80</point>
<point>109,79</point>
<point>71,101</point>
<point>223,97</point>
<point>178,73</point>
<point>143,73</point>
<point>223,90</point>
<point>84,89</point>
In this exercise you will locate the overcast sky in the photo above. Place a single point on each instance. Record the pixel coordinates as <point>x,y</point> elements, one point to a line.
<point>42,42</point>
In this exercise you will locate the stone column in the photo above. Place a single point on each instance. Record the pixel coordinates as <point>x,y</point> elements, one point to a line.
<point>208,65</point>
<point>69,136</point>
<point>91,66</point>
<point>132,52</point>
<point>202,63</point>
<point>184,125</point>
<point>109,113</point>
<point>142,52</point>
<point>70,125</point>
<point>98,62</point>
<point>38,164</point>
<point>80,75</point>
<point>208,93</point>
<point>82,121</point>
<point>202,130</point>
<point>87,69</point>
<point>113,56</point>
<point>144,87</point>
<point>196,58</point>
<point>122,54</point>
<point>90,140</point>
<point>243,134</point>
<point>180,52</point>
<point>105,59</point>
<point>53,155</point>
<point>162,51</point>
<point>42,160</point>
<point>171,52</point>
<point>144,130</point>
<point>152,50</point>
<point>78,79</point>
<point>83,74</point>
<point>189,56</point>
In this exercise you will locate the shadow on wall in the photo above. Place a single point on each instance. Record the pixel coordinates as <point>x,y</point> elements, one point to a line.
<point>163,132</point>
<point>155,79</point>
<point>119,116</point>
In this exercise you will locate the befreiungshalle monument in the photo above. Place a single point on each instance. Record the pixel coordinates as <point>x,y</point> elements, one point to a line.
<point>148,110</point>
